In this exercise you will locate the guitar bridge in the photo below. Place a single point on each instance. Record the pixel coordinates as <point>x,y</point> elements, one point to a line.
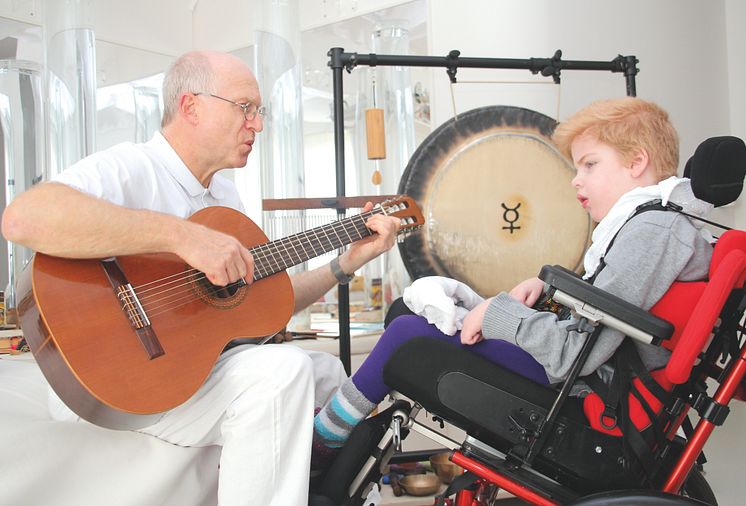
<point>131,305</point>
<point>132,308</point>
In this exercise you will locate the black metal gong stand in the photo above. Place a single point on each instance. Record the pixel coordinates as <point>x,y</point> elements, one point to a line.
<point>339,61</point>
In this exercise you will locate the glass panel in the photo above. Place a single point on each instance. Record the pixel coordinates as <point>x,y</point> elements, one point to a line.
<point>21,122</point>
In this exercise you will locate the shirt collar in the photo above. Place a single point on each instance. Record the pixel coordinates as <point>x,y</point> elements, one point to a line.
<point>178,169</point>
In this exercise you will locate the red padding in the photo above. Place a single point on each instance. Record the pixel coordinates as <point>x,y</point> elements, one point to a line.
<point>730,273</point>
<point>593,406</point>
<point>677,306</point>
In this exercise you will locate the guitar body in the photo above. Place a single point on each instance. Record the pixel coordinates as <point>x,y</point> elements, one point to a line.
<point>91,353</point>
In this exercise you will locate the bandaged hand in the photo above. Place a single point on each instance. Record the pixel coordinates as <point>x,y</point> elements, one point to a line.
<point>471,333</point>
<point>443,302</point>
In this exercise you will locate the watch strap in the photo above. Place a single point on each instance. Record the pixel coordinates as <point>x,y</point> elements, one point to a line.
<point>342,278</point>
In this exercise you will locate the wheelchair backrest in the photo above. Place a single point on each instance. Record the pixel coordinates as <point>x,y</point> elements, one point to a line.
<point>693,308</point>
<point>716,169</point>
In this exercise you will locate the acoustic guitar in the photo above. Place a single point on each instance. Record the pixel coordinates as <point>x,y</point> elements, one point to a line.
<point>123,339</point>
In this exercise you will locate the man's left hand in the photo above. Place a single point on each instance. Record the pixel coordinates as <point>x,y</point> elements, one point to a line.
<point>365,250</point>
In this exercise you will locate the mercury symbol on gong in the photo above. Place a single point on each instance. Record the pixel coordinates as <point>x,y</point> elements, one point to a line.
<point>511,217</point>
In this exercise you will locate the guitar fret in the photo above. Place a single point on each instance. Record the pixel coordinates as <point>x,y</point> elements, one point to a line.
<point>263,260</point>
<point>318,240</point>
<point>324,241</point>
<point>300,242</point>
<point>273,256</point>
<point>360,227</point>
<point>260,261</point>
<point>342,224</point>
<point>361,232</point>
<point>299,257</point>
<point>286,258</point>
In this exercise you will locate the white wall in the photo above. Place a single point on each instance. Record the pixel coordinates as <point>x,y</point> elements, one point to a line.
<point>735,14</point>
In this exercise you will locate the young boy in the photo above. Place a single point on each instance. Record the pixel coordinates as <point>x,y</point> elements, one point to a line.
<point>626,154</point>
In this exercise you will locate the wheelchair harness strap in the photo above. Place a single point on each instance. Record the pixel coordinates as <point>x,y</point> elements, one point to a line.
<point>627,366</point>
<point>653,205</point>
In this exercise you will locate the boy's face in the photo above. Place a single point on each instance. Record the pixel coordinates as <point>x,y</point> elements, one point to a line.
<point>602,176</point>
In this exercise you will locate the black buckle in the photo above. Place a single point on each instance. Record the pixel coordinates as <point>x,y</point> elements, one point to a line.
<point>608,413</point>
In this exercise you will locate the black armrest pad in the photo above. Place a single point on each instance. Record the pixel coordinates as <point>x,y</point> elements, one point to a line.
<point>568,282</point>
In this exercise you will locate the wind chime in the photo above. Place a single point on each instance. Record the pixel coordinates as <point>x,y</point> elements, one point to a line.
<point>376,143</point>
<point>376,138</point>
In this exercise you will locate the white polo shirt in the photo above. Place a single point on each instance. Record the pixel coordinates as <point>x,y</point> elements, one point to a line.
<point>148,176</point>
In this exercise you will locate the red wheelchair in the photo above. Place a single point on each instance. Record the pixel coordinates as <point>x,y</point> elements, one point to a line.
<point>637,443</point>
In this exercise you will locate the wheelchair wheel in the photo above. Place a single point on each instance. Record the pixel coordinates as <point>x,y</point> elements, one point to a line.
<point>696,491</point>
<point>696,487</point>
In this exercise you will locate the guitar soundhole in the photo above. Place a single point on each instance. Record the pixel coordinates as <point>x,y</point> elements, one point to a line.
<point>222,297</point>
<point>222,292</point>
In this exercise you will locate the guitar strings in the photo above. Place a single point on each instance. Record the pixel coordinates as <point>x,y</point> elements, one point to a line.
<point>261,254</point>
<point>187,296</point>
<point>260,250</point>
<point>194,275</point>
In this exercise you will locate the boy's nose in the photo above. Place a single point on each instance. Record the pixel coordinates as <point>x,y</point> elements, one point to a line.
<point>575,181</point>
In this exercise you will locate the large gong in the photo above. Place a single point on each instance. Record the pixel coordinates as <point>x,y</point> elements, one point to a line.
<point>497,201</point>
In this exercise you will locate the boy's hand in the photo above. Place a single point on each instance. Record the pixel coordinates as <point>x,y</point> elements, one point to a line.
<point>471,332</point>
<point>527,292</point>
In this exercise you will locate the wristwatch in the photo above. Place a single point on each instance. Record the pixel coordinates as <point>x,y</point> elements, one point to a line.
<point>342,278</point>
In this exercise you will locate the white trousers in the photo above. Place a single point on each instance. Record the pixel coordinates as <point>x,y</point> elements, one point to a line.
<point>258,405</point>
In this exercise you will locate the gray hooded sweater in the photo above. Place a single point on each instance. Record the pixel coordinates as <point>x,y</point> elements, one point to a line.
<point>651,251</point>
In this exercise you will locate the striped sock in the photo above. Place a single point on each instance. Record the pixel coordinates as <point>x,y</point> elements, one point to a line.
<point>347,407</point>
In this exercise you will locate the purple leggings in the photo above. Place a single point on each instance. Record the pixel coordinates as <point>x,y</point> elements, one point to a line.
<point>369,378</point>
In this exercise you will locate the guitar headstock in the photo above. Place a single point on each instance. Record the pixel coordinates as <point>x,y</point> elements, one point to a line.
<point>406,209</point>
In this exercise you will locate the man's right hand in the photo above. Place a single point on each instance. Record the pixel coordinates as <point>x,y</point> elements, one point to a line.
<point>220,256</point>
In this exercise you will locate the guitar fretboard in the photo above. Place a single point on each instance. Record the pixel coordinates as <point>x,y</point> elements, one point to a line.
<point>276,256</point>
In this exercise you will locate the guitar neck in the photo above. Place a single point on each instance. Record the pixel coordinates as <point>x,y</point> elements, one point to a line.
<point>279,255</point>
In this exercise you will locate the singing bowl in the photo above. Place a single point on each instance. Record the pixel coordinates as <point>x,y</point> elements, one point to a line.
<point>444,468</point>
<point>420,484</point>
<point>497,199</point>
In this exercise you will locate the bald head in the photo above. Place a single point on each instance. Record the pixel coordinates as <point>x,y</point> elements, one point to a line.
<point>197,71</point>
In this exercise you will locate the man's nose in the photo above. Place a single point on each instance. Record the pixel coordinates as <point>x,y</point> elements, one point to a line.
<point>256,124</point>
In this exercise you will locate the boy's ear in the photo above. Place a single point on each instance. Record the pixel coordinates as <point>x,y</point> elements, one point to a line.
<point>639,163</point>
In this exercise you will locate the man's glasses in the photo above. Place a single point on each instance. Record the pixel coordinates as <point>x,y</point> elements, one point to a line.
<point>250,109</point>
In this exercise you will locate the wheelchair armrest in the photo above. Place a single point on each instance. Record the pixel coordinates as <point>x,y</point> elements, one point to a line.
<point>598,306</point>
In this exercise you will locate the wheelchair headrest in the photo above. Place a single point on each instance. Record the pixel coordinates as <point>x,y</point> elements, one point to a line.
<point>717,169</point>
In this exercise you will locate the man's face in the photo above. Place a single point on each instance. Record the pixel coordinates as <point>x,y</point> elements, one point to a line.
<point>602,176</point>
<point>229,135</point>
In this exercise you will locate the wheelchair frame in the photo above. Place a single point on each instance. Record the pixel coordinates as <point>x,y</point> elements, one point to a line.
<point>717,334</point>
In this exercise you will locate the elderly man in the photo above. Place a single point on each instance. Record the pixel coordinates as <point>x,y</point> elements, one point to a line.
<point>135,198</point>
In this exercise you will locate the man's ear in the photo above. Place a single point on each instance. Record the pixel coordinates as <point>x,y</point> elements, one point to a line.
<point>188,107</point>
<point>639,163</point>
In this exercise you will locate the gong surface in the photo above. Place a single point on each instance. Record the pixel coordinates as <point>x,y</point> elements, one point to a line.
<point>497,201</point>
